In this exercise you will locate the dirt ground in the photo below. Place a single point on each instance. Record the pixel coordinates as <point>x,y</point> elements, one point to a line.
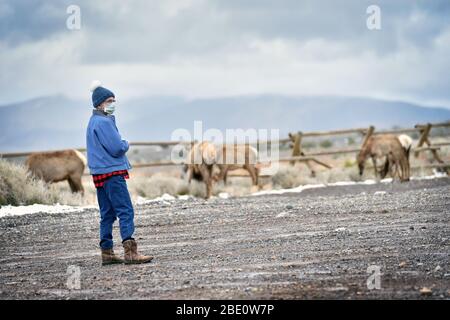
<point>315,244</point>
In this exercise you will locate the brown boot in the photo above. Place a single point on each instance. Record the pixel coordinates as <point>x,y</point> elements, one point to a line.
<point>131,254</point>
<point>109,257</point>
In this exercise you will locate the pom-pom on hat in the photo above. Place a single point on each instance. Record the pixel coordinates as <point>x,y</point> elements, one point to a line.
<point>99,93</point>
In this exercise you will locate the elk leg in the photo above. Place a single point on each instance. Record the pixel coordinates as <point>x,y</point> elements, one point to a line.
<point>72,186</point>
<point>408,166</point>
<point>251,171</point>
<point>405,165</point>
<point>394,169</point>
<point>374,161</point>
<point>402,173</point>
<point>224,174</point>
<point>207,178</point>
<point>190,174</point>
<point>403,169</point>
<point>393,166</point>
<point>386,168</point>
<point>78,184</point>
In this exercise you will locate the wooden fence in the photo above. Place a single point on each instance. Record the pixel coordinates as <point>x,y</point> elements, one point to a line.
<point>298,155</point>
<point>424,139</point>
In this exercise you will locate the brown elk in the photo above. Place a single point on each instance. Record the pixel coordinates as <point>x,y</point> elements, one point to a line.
<point>59,166</point>
<point>204,156</point>
<point>406,143</point>
<point>386,147</point>
<point>201,160</point>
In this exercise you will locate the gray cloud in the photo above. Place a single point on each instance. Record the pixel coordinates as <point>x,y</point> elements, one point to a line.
<point>23,21</point>
<point>209,47</point>
<point>146,31</point>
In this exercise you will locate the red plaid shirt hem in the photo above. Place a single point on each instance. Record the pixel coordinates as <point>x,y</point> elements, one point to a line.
<point>99,179</point>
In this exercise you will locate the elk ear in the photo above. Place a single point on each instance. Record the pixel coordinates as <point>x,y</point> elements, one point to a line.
<point>95,84</point>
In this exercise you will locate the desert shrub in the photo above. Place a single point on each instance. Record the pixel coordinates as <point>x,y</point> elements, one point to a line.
<point>18,187</point>
<point>338,175</point>
<point>157,185</point>
<point>351,141</point>
<point>309,145</point>
<point>291,176</point>
<point>349,163</point>
<point>326,144</point>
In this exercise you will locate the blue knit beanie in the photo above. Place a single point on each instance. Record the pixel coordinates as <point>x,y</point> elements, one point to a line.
<point>99,94</point>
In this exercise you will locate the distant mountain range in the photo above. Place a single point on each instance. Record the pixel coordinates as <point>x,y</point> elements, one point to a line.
<point>59,122</point>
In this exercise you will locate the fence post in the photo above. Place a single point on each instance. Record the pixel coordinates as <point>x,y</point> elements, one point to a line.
<point>297,148</point>
<point>425,132</point>
<point>297,152</point>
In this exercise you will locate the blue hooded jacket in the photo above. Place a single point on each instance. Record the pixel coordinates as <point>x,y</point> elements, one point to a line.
<point>105,148</point>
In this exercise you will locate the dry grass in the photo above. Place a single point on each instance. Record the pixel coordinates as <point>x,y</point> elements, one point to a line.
<point>293,176</point>
<point>17,187</point>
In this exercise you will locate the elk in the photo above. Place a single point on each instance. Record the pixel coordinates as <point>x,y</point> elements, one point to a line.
<point>231,157</point>
<point>58,166</point>
<point>406,143</point>
<point>204,156</point>
<point>384,147</point>
<point>200,164</point>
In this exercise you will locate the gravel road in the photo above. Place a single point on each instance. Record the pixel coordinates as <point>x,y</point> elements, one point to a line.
<point>320,243</point>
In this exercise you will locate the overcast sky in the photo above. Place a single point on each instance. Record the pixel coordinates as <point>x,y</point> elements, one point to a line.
<point>207,48</point>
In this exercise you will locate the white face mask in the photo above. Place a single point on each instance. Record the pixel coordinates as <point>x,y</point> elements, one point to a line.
<point>110,108</point>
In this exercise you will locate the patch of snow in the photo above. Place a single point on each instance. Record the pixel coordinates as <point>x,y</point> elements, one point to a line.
<point>436,175</point>
<point>296,189</point>
<point>342,183</point>
<point>223,195</point>
<point>6,211</point>
<point>165,199</point>
<point>140,200</point>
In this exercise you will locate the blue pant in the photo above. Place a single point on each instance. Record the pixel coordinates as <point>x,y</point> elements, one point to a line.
<point>115,202</point>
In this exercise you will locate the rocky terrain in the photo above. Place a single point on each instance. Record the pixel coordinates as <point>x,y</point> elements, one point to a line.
<point>320,243</point>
